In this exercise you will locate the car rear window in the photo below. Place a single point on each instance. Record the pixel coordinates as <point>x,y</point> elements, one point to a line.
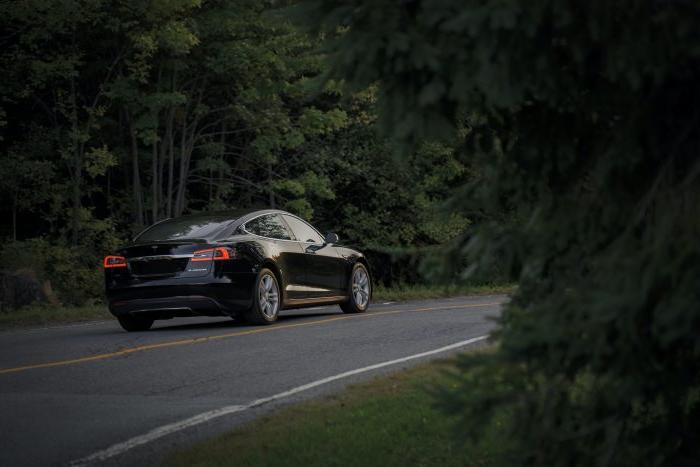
<point>197,226</point>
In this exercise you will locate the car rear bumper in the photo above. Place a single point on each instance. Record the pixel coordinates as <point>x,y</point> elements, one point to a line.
<point>177,297</point>
<point>163,308</point>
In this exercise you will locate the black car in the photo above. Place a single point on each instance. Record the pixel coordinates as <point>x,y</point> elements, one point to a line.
<point>240,264</point>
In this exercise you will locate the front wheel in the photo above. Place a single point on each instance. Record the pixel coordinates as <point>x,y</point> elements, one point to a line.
<point>135,324</point>
<point>359,290</point>
<point>266,299</point>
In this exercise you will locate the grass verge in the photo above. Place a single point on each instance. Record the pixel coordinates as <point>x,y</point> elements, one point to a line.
<point>417,292</point>
<point>389,421</point>
<point>45,315</point>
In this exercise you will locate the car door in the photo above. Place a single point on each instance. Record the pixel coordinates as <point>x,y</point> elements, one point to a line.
<point>324,267</point>
<point>283,249</point>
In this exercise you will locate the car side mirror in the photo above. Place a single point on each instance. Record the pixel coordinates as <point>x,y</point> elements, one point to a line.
<point>331,238</point>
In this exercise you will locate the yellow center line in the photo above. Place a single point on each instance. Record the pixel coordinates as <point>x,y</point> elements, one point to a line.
<point>200,340</point>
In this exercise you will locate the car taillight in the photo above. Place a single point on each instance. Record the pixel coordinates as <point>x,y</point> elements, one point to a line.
<point>215,254</point>
<point>114,262</point>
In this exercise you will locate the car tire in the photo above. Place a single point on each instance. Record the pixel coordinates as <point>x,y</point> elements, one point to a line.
<point>359,290</point>
<point>267,299</point>
<point>135,324</point>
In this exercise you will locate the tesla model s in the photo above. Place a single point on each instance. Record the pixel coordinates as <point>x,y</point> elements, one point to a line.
<point>247,264</point>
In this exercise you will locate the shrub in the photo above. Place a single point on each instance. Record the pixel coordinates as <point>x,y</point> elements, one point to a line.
<point>74,275</point>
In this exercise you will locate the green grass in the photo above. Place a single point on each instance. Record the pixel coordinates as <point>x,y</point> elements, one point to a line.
<point>44,315</point>
<point>417,292</point>
<point>389,421</point>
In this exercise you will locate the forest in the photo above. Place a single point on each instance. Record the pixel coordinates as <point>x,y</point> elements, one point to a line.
<point>550,142</point>
<point>118,114</point>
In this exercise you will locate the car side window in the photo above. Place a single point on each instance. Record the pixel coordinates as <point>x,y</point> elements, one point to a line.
<point>303,231</point>
<point>271,226</point>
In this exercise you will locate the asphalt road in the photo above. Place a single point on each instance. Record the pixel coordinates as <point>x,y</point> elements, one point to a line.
<point>70,393</point>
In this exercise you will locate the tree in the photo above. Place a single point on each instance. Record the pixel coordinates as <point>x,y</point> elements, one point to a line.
<point>579,122</point>
<point>116,114</point>
<point>23,183</point>
<point>67,86</point>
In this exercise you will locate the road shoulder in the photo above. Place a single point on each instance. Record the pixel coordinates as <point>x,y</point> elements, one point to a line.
<point>392,419</point>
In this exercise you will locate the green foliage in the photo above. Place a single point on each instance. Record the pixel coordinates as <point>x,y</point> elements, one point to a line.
<point>73,279</point>
<point>118,114</point>
<point>73,273</point>
<point>578,119</point>
<point>316,122</point>
<point>98,160</point>
<point>393,209</point>
<point>23,180</point>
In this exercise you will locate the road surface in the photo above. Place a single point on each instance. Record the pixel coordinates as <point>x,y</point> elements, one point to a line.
<point>92,394</point>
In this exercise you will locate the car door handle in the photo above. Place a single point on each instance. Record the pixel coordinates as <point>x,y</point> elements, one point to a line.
<point>312,249</point>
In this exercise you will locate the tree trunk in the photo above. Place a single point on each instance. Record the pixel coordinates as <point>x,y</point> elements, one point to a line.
<point>164,147</point>
<point>154,184</point>
<point>220,175</point>
<point>76,166</point>
<point>14,221</point>
<point>185,171</point>
<point>269,185</point>
<point>183,176</point>
<point>211,186</point>
<point>75,222</point>
<point>108,195</point>
<point>171,163</point>
<point>135,173</point>
<point>186,148</point>
<point>171,150</point>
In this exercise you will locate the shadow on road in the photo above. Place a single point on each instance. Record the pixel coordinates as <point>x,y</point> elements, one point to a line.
<point>228,323</point>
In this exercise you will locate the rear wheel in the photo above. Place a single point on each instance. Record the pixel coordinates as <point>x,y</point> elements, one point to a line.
<point>359,290</point>
<point>266,299</point>
<point>135,324</point>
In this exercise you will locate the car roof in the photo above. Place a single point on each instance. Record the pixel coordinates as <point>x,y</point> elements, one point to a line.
<point>236,216</point>
<point>233,214</point>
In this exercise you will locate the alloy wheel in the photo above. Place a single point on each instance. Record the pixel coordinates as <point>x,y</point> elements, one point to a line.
<point>360,287</point>
<point>268,296</point>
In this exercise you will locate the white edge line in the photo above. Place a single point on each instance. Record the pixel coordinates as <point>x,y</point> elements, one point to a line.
<point>165,430</point>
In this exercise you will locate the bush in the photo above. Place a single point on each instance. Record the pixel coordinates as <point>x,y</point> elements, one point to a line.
<point>20,289</point>
<point>74,276</point>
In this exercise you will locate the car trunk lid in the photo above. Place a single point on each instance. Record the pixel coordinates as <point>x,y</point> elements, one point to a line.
<point>165,259</point>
